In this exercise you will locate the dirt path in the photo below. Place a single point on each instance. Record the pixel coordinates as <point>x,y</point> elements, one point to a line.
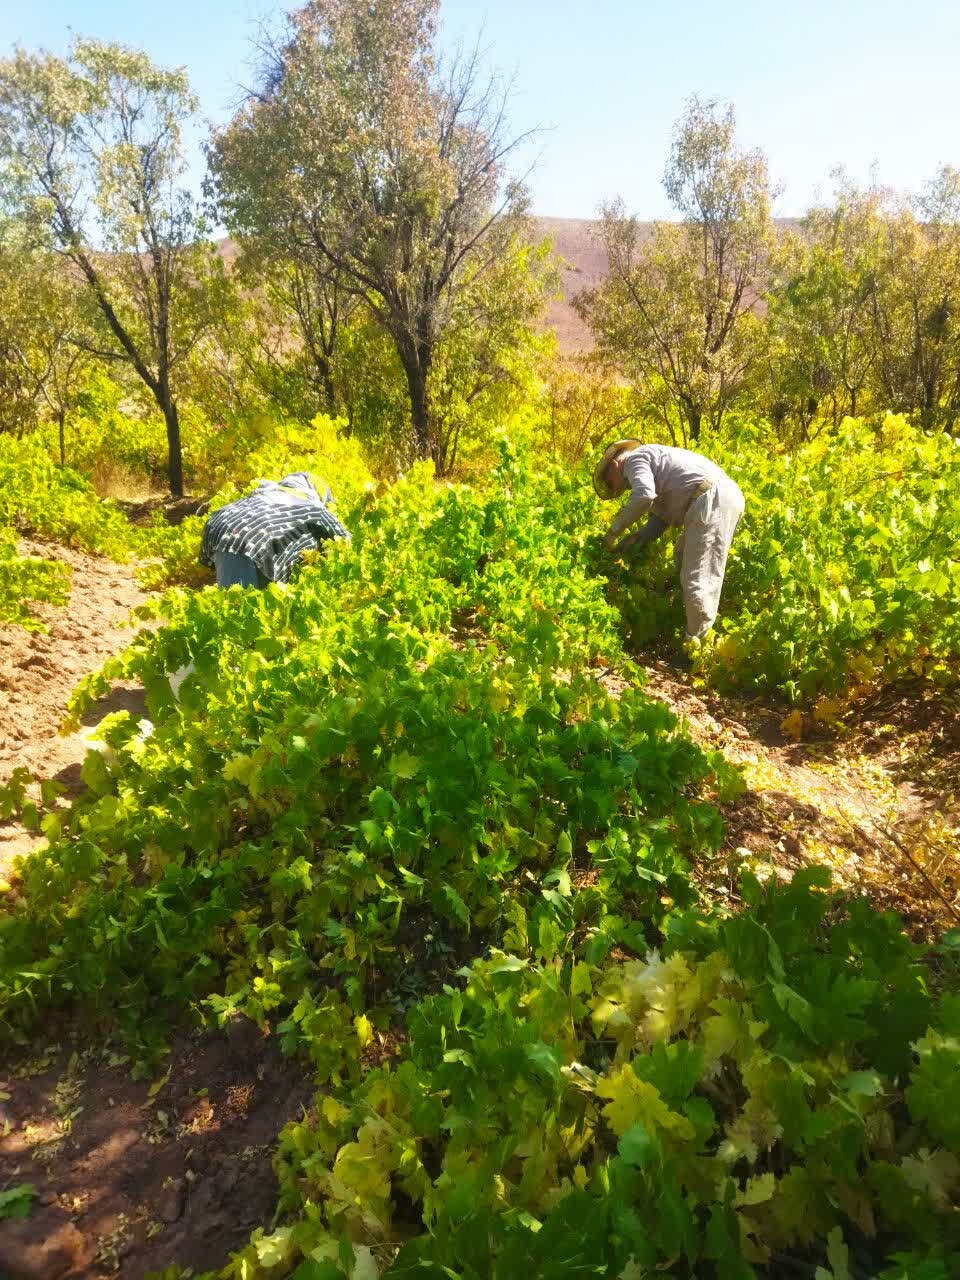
<point>877,803</point>
<point>38,672</point>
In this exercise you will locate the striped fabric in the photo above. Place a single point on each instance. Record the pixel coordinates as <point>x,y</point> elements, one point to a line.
<point>272,526</point>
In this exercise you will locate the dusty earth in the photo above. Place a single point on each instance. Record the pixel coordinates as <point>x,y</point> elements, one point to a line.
<point>38,671</point>
<point>132,1176</point>
<point>876,800</point>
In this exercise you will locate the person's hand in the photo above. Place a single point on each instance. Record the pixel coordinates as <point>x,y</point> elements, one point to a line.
<point>626,543</point>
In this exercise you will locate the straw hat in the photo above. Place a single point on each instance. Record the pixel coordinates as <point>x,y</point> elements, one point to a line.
<point>610,455</point>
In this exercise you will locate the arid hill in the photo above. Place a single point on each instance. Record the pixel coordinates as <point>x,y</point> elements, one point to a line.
<point>585,265</point>
<point>584,259</point>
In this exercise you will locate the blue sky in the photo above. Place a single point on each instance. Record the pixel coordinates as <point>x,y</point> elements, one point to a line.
<point>816,83</point>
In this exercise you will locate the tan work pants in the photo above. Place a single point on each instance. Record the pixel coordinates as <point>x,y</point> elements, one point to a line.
<point>701,553</point>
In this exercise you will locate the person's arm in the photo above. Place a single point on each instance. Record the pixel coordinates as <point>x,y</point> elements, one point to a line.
<point>637,505</point>
<point>649,533</point>
<point>643,493</point>
<point>324,524</point>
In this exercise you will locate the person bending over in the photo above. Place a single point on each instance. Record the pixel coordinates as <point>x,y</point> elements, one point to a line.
<point>680,489</point>
<point>260,538</point>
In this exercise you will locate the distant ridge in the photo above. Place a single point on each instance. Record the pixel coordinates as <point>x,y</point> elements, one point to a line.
<point>585,264</point>
<point>576,243</point>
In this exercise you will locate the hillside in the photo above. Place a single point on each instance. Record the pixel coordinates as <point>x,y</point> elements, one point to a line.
<point>576,243</point>
<point>585,265</point>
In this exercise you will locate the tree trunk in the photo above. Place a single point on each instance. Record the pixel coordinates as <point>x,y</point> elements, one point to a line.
<point>174,454</point>
<point>417,372</point>
<point>326,386</point>
<point>694,419</point>
<point>62,435</point>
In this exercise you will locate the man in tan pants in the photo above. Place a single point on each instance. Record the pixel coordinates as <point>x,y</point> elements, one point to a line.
<point>674,487</point>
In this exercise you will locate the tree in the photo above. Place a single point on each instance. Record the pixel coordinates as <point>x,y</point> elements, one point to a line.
<point>20,388</point>
<point>295,295</point>
<point>60,355</point>
<point>581,405</point>
<point>487,359</point>
<point>42,324</point>
<point>677,314</point>
<point>91,153</point>
<point>917,306</point>
<point>250,360</point>
<point>822,308</point>
<point>384,172</point>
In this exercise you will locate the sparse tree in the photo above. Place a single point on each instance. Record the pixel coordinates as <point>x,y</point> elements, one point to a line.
<point>91,154</point>
<point>822,309</point>
<point>486,359</point>
<point>581,405</point>
<point>43,323</point>
<point>385,171</point>
<point>677,314</point>
<point>917,307</point>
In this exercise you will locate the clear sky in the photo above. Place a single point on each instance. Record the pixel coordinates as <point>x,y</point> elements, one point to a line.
<point>816,83</point>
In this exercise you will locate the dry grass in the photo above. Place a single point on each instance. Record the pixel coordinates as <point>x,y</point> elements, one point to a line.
<point>113,479</point>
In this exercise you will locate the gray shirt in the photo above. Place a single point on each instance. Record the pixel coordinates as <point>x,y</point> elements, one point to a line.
<point>663,482</point>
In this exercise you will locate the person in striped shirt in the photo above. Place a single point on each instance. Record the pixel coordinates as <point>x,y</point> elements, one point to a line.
<point>260,538</point>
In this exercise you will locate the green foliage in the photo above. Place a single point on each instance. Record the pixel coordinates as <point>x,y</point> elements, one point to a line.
<point>714,1111</point>
<point>41,500</point>
<point>412,733</point>
<point>394,792</point>
<point>16,1201</point>
<point>28,578</point>
<point>41,364</point>
<point>844,571</point>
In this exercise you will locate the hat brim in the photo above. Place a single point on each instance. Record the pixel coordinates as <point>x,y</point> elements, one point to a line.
<point>601,485</point>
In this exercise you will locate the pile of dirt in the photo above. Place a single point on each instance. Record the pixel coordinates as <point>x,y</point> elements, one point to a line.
<point>39,670</point>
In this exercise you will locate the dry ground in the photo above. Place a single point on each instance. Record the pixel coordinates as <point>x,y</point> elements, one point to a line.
<point>39,670</point>
<point>877,801</point>
<point>132,1176</point>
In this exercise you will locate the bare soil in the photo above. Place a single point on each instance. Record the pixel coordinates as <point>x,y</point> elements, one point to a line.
<point>39,670</point>
<point>131,1177</point>
<point>876,802</point>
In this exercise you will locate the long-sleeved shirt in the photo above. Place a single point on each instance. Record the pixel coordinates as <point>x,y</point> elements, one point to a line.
<point>273,525</point>
<point>663,482</point>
